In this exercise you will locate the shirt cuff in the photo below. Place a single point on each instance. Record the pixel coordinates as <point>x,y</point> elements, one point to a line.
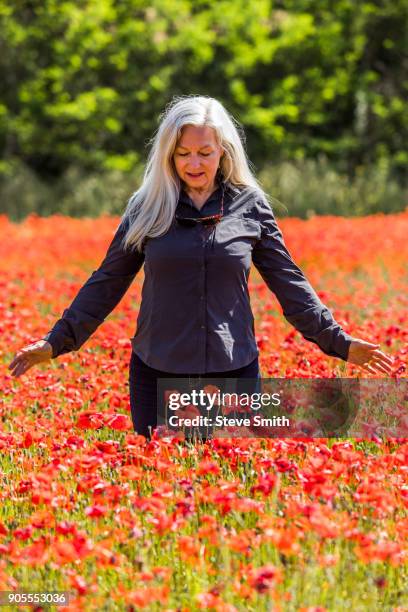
<point>318,325</point>
<point>57,344</point>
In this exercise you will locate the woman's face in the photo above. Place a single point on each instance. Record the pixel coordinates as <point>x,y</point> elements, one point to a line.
<point>197,157</point>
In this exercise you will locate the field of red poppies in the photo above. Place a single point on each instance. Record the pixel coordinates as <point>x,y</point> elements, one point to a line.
<point>89,507</point>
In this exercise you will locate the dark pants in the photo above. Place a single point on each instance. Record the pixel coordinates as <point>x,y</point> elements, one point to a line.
<point>143,389</point>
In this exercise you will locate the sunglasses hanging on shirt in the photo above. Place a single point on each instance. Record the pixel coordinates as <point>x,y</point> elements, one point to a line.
<point>206,221</point>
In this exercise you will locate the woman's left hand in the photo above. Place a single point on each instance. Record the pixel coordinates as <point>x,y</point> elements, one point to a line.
<point>369,357</point>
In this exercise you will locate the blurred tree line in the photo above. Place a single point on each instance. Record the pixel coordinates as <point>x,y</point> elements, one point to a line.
<point>319,86</point>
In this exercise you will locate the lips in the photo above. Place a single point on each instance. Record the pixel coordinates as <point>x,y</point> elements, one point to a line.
<point>195,175</point>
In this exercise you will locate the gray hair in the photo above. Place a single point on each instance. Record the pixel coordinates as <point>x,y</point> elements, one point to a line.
<point>151,209</point>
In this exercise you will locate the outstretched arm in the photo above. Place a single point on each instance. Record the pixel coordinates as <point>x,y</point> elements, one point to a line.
<point>97,297</point>
<point>300,304</point>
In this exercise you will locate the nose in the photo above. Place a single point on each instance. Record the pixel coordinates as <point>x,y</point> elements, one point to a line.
<point>195,161</point>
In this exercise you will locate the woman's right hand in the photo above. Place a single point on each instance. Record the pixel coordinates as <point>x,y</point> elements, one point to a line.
<point>28,356</point>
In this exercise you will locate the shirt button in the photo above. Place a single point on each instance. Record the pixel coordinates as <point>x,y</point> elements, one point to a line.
<point>203,327</point>
<point>201,297</point>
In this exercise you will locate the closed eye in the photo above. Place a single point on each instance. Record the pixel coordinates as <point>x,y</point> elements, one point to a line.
<point>185,154</point>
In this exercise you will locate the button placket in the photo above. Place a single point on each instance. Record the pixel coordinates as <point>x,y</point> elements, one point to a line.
<point>202,296</point>
<point>199,246</point>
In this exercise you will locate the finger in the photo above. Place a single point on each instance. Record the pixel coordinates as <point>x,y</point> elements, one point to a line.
<point>16,359</point>
<point>386,365</point>
<point>387,370</point>
<point>14,365</point>
<point>25,365</point>
<point>368,368</point>
<point>371,369</point>
<point>20,369</point>
<point>380,367</point>
<point>379,353</point>
<point>380,360</point>
<point>370,344</point>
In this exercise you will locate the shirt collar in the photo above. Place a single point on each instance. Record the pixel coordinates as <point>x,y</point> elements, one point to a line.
<point>215,196</point>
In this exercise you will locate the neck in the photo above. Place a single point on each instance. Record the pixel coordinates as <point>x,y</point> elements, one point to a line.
<point>201,191</point>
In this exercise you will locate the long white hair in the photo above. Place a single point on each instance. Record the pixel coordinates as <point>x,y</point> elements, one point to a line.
<point>150,210</point>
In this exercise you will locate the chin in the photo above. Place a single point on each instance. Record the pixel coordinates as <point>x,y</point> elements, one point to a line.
<point>198,182</point>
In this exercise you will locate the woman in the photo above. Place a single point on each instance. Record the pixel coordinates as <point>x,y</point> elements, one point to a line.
<point>196,223</point>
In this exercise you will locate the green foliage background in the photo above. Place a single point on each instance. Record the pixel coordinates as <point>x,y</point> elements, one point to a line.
<point>319,86</point>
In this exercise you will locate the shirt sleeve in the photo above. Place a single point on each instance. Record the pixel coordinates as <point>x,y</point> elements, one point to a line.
<point>300,304</point>
<point>97,297</point>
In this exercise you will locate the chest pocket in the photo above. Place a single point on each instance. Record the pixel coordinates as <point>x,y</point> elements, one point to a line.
<point>236,236</point>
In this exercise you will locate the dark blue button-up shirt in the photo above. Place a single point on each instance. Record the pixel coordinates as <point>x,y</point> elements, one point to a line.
<point>195,314</point>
